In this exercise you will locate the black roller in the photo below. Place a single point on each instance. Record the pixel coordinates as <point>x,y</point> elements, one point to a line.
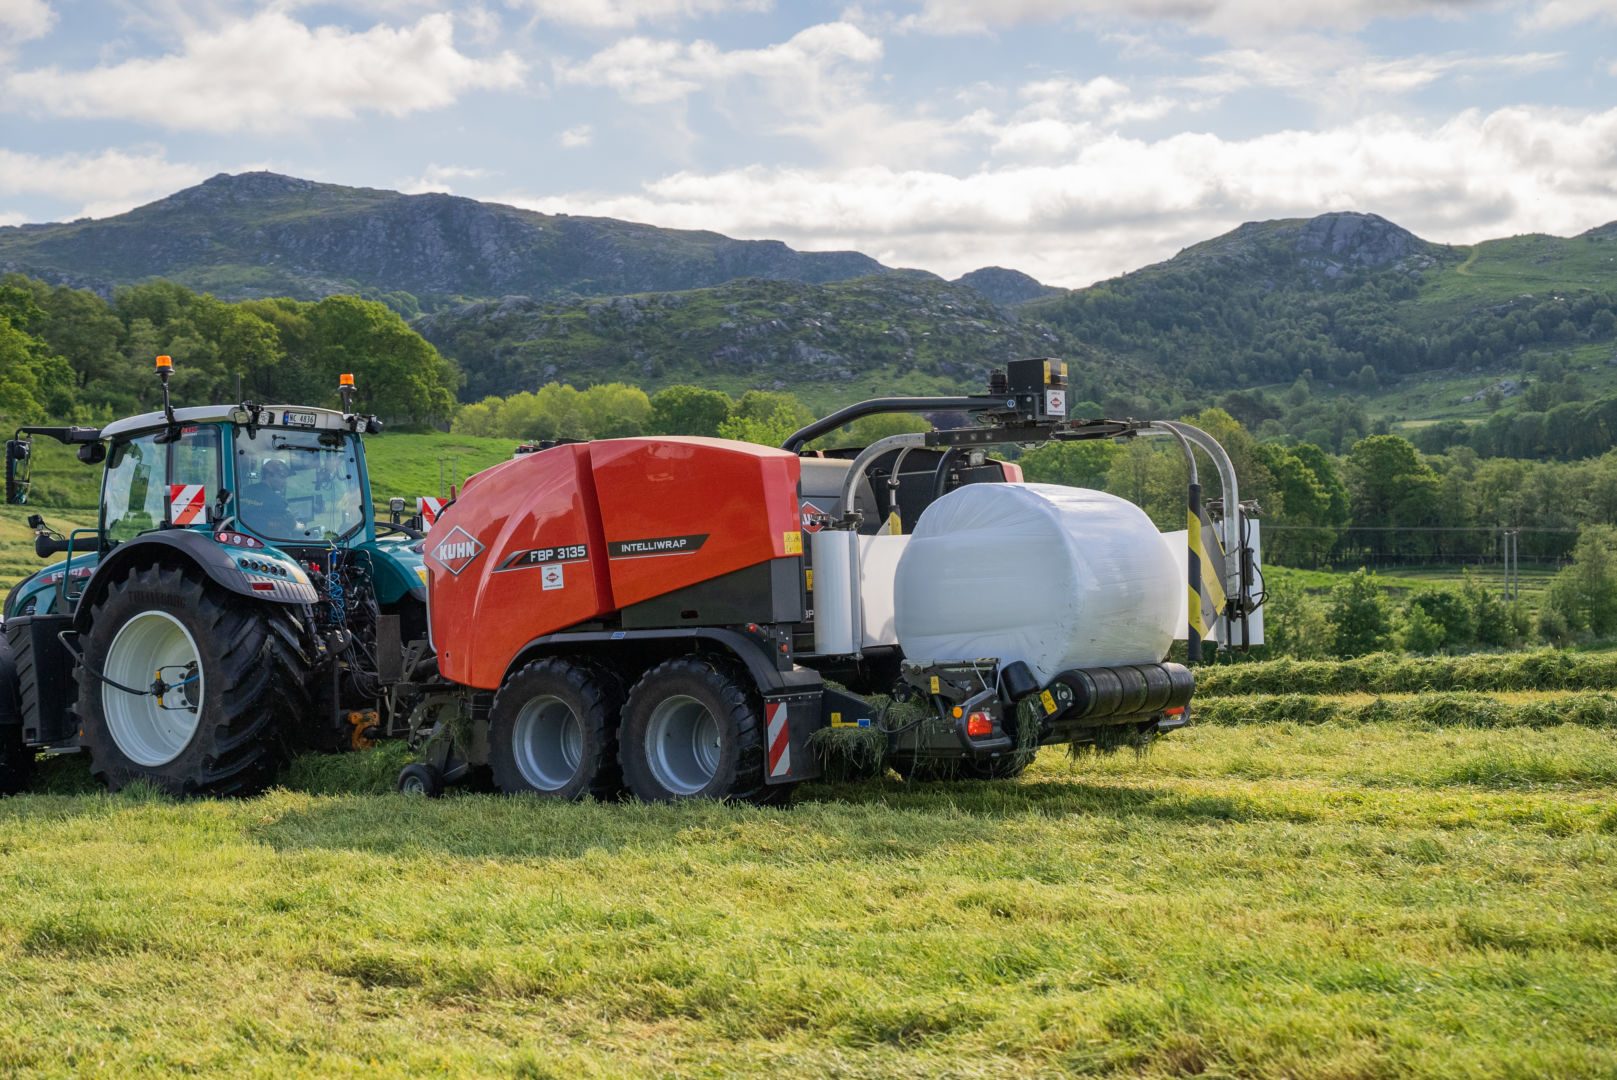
<point>1140,689</point>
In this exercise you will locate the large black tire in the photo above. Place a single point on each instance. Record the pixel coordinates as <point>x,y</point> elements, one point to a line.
<point>253,700</point>
<point>553,731</point>
<point>16,759</point>
<point>734,764</point>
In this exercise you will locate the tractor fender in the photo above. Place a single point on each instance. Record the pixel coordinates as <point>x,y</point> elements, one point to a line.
<point>759,662</point>
<point>192,546</point>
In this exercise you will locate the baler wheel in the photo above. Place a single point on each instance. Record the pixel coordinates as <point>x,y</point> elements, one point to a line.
<point>422,780</point>
<point>234,693</point>
<point>553,731</point>
<point>693,729</point>
<point>16,758</point>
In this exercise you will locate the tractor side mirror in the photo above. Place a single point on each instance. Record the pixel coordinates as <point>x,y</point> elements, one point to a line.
<point>18,452</point>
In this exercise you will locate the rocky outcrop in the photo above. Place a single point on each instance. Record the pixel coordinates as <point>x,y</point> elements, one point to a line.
<point>1007,288</point>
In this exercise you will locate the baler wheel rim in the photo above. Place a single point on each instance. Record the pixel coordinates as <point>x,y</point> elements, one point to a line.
<point>684,742</point>
<point>547,742</point>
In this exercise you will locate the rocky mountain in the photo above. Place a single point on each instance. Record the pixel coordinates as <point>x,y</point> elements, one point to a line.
<point>261,234</point>
<point>1007,288</point>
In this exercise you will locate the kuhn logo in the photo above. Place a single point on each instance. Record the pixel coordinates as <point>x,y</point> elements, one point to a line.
<point>457,551</point>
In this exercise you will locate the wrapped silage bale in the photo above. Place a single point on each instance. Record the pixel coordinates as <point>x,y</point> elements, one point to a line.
<point>1057,577</point>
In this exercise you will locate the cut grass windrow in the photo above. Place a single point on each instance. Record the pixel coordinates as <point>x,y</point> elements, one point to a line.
<point>1386,673</point>
<point>1596,710</point>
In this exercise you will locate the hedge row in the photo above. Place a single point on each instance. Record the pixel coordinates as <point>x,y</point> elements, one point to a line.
<point>1388,673</point>
<point>1437,710</point>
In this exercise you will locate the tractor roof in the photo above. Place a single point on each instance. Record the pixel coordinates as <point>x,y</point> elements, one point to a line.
<point>269,416</point>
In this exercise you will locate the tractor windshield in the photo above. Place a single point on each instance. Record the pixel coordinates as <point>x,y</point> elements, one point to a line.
<point>298,486</point>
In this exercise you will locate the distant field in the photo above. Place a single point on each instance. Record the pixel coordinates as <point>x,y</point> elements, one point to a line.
<point>1276,900</point>
<point>400,464</point>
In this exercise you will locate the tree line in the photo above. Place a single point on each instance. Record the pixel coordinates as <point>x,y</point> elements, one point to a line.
<point>68,354</point>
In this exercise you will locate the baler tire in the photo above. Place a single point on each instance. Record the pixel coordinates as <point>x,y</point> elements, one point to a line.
<point>253,687</point>
<point>16,757</point>
<point>593,698</point>
<point>421,781</point>
<point>737,711</point>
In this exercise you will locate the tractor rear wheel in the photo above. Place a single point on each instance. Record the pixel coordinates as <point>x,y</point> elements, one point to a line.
<point>553,731</point>
<point>233,688</point>
<point>16,758</point>
<point>693,729</point>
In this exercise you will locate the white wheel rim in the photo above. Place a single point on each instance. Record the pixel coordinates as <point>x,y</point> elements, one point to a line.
<point>148,733</point>
<point>682,744</point>
<point>547,742</point>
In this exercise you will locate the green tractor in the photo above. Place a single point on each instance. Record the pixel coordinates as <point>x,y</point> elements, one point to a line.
<point>237,600</point>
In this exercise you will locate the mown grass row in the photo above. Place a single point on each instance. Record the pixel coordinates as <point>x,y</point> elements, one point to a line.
<point>1388,673</point>
<point>1442,709</point>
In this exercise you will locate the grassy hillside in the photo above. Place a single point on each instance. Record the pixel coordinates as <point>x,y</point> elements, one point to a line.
<point>829,344</point>
<point>1273,899</point>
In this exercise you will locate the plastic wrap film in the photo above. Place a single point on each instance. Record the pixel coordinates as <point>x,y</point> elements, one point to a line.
<point>1057,577</point>
<point>836,632</point>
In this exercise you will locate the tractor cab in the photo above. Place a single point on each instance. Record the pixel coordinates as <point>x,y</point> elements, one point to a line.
<point>250,521</point>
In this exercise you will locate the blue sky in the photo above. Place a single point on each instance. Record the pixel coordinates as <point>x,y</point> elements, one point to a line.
<point>1073,139</point>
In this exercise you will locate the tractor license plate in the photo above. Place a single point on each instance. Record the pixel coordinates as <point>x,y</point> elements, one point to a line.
<point>297,419</point>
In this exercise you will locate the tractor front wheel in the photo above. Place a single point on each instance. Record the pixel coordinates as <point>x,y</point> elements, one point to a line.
<point>692,729</point>
<point>199,694</point>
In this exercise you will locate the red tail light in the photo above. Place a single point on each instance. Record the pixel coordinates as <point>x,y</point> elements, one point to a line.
<point>979,724</point>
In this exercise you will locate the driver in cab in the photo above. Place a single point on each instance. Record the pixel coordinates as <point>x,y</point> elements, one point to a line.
<point>265,501</point>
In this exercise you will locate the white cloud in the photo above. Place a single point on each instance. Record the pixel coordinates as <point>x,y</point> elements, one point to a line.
<point>270,72</point>
<point>623,14</point>
<point>24,20</point>
<point>109,182</point>
<point>1341,77</point>
<point>648,72</point>
<point>1118,203</point>
<point>1557,14</point>
<point>1231,18</point>
<point>575,137</point>
<point>812,86</point>
<point>438,177</point>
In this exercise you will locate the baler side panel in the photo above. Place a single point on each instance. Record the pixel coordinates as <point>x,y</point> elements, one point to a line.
<point>678,511</point>
<point>542,566</point>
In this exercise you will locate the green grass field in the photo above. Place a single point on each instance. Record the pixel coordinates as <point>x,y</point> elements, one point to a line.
<point>400,463</point>
<point>1267,900</point>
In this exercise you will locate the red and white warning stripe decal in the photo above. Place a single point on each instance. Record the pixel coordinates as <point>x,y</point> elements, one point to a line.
<point>188,504</point>
<point>780,739</point>
<point>429,509</point>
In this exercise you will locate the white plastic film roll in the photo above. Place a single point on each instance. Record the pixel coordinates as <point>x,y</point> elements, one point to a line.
<point>836,631</point>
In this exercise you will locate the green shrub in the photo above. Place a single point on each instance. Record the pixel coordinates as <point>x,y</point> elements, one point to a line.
<point>1450,610</point>
<point>1493,619</point>
<point>1583,595</point>
<point>1294,623</point>
<point>1420,633</point>
<point>1359,617</point>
